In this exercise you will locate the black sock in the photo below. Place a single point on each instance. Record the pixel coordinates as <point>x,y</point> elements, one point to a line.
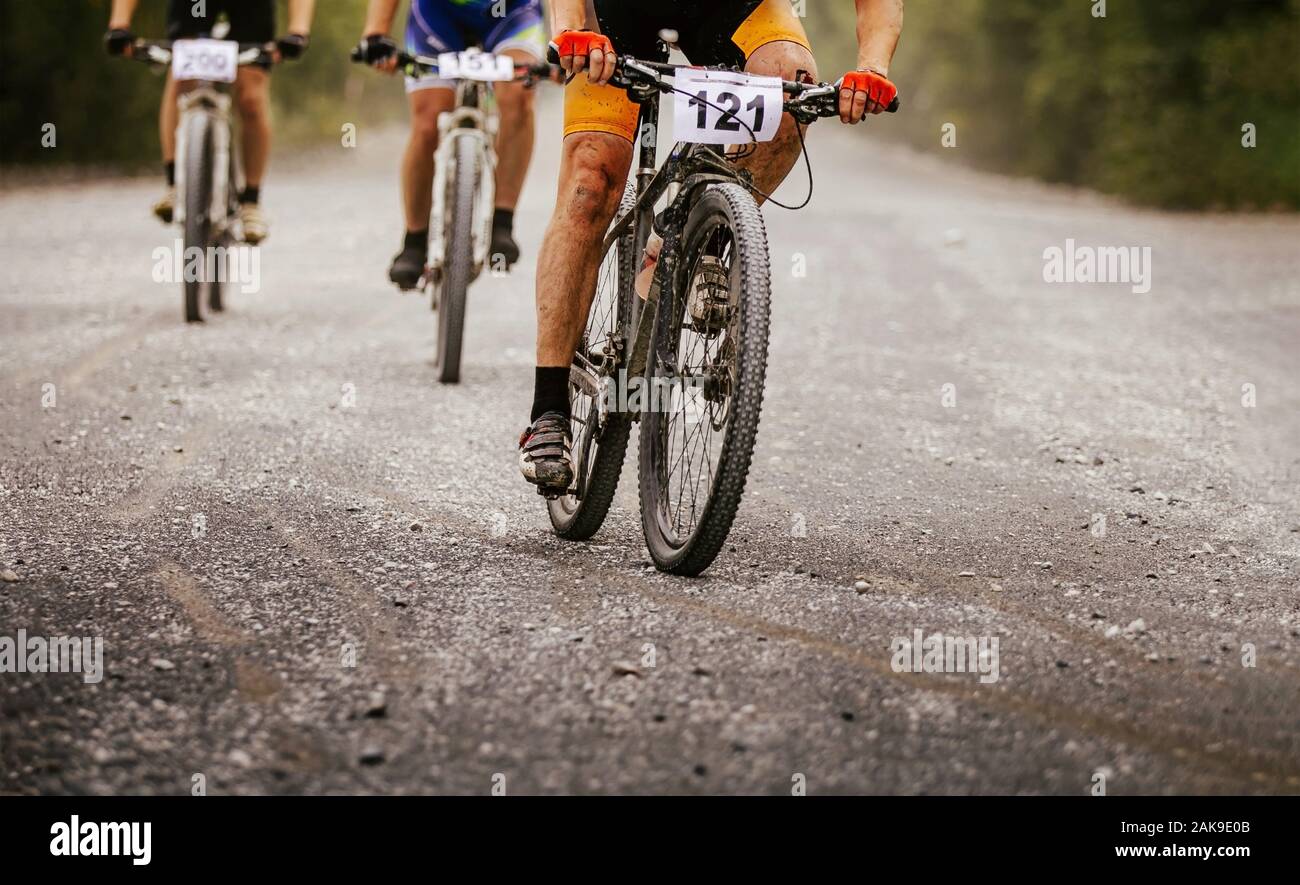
<point>504,219</point>
<point>251,195</point>
<point>551,391</point>
<point>416,239</point>
<point>170,170</point>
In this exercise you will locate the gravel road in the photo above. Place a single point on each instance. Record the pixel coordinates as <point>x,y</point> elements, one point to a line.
<point>314,570</point>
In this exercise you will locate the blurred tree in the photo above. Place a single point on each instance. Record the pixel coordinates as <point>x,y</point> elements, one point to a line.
<point>53,69</point>
<point>1148,102</point>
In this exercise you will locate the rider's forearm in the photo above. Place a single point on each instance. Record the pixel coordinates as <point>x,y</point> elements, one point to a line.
<point>380,15</point>
<point>880,22</point>
<point>300,16</point>
<point>568,15</point>
<point>123,12</point>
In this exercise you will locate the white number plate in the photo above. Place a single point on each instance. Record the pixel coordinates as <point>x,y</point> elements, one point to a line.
<point>213,60</point>
<point>722,107</point>
<point>475,66</point>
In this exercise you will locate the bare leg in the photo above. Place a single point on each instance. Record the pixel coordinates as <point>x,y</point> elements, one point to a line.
<point>515,140</point>
<point>772,162</point>
<point>253,98</point>
<point>168,118</point>
<point>593,169</point>
<point>418,162</point>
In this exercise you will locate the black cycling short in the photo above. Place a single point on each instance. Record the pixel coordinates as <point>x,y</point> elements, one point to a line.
<point>704,27</point>
<point>251,21</point>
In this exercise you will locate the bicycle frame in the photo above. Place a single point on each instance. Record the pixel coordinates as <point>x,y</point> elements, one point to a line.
<point>689,167</point>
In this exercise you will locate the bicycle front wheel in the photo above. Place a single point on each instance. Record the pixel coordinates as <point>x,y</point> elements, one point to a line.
<point>226,242</point>
<point>707,370</point>
<point>458,261</point>
<point>198,204</point>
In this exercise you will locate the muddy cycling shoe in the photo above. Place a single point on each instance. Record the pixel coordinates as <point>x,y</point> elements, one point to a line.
<point>253,222</point>
<point>545,456</point>
<point>709,301</point>
<point>408,266</point>
<point>165,209</point>
<point>503,244</point>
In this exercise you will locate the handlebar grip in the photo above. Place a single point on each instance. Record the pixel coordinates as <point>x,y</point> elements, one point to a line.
<point>894,106</point>
<point>358,55</point>
<point>553,53</point>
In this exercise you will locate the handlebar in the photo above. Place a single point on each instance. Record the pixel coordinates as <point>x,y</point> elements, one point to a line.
<point>422,65</point>
<point>159,53</point>
<point>806,101</point>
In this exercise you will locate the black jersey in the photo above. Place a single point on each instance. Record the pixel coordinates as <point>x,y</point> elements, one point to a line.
<point>704,27</point>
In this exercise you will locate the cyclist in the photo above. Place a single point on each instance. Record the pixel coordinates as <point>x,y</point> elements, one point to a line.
<point>251,21</point>
<point>763,36</point>
<point>505,27</point>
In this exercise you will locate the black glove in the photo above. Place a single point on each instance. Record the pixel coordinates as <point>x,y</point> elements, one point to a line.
<point>292,46</point>
<point>376,48</point>
<point>117,40</point>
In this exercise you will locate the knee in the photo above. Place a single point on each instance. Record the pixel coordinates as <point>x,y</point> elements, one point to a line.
<point>593,183</point>
<point>424,130</point>
<point>783,59</point>
<point>251,104</point>
<point>515,103</point>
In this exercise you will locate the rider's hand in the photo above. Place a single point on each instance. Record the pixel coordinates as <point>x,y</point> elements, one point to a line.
<point>864,92</point>
<point>586,50</point>
<point>380,51</point>
<point>292,46</point>
<point>118,41</point>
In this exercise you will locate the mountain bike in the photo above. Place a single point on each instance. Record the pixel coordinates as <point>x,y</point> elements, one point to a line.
<point>464,184</point>
<point>688,363</point>
<point>208,175</point>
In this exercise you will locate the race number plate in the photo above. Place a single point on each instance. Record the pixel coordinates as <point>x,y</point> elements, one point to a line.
<point>214,60</point>
<point>723,107</point>
<point>475,66</point>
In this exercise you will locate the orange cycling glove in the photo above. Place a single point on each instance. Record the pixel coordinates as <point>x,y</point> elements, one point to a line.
<point>580,43</point>
<point>876,87</point>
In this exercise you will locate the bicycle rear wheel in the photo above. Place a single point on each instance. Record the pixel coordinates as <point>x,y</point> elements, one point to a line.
<point>458,262</point>
<point>600,435</point>
<point>709,361</point>
<point>198,137</point>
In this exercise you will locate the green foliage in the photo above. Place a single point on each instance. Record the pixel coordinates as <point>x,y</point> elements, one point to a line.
<point>1148,102</point>
<point>105,110</point>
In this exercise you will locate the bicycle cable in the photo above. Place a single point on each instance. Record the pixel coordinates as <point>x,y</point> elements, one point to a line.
<point>750,147</point>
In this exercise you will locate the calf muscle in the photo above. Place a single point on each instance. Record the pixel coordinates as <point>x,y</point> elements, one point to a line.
<point>594,168</point>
